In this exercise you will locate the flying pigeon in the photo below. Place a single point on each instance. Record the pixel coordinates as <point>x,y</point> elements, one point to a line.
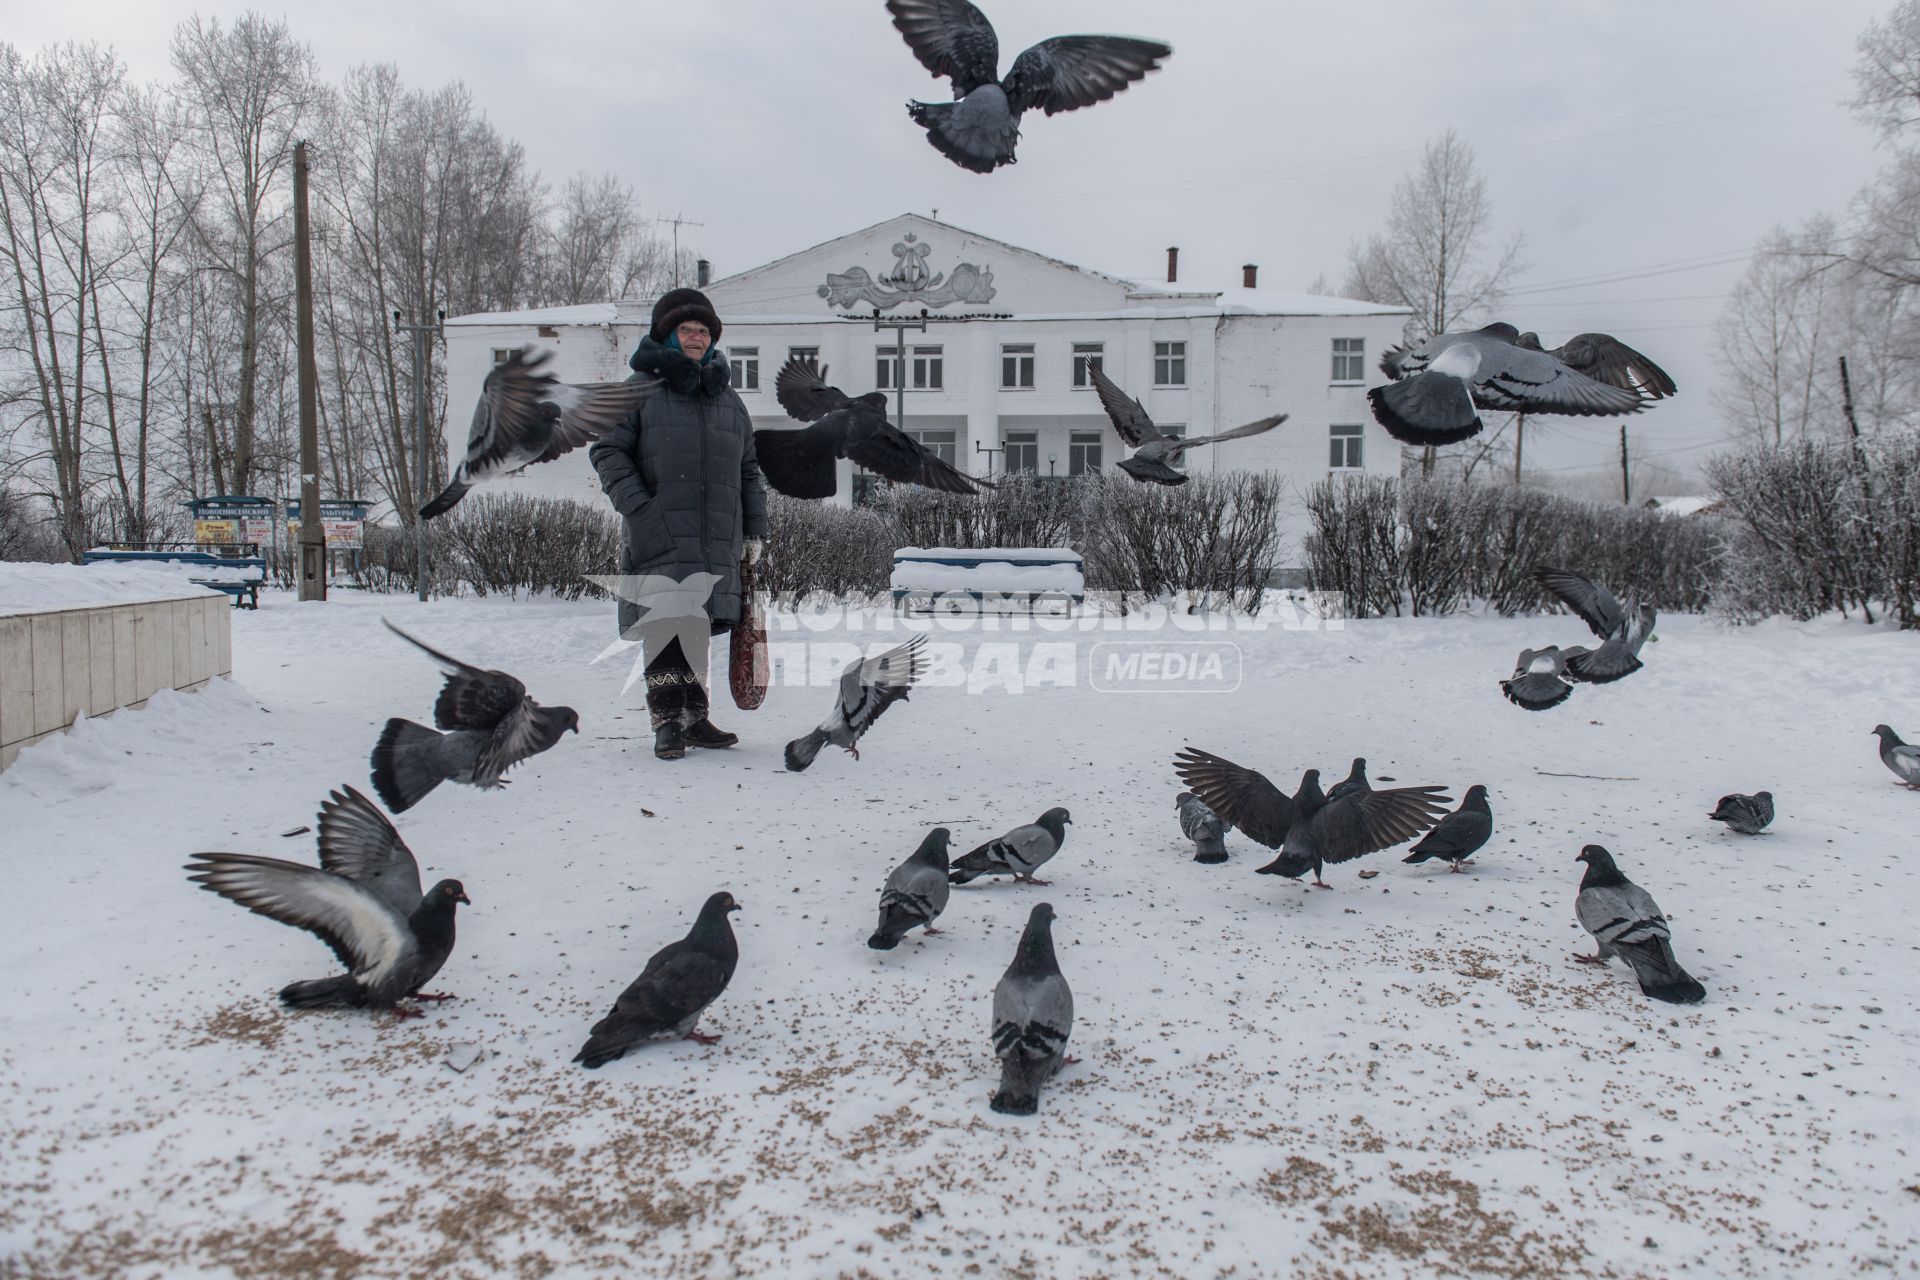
<point>671,993</point>
<point>1156,452</point>
<point>1605,358</point>
<point>1441,384</point>
<point>1203,826</point>
<point>978,130</point>
<point>868,687</point>
<point>363,900</point>
<point>527,416</point>
<point>1019,853</point>
<point>1308,828</point>
<point>493,726</point>
<point>800,463</point>
<point>1460,834</point>
<point>1623,629</point>
<point>1901,757</point>
<point>1032,1017</point>
<point>1539,679</point>
<point>1624,919</point>
<point>1356,780</point>
<point>915,893</point>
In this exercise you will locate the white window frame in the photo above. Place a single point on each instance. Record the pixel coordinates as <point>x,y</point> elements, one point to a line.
<point>1170,364</point>
<point>929,368</point>
<point>943,442</point>
<point>809,356</point>
<point>503,354</point>
<point>744,362</point>
<point>886,368</point>
<point>1086,452</point>
<point>1026,441</point>
<point>1349,359</point>
<point>1348,441</point>
<point>1084,354</point>
<point>1016,366</point>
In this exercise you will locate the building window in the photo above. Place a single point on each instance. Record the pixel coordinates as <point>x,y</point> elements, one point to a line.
<point>1169,364</point>
<point>745,362</point>
<point>1083,452</point>
<point>1349,360</point>
<point>886,369</point>
<point>941,443</point>
<point>1087,354</point>
<point>926,369</point>
<point>1343,445</point>
<point>1023,452</point>
<point>1016,367</point>
<point>808,356</point>
<point>503,354</point>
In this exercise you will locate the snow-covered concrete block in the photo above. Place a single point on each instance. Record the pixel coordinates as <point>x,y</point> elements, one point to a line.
<point>16,679</point>
<point>48,677</point>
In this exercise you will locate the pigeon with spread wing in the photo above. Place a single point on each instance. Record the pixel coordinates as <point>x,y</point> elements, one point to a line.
<point>1155,451</point>
<point>800,463</point>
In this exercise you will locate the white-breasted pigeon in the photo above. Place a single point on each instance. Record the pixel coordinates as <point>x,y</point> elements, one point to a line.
<point>1203,826</point>
<point>1539,681</point>
<point>667,999</point>
<point>1019,853</point>
<point>1901,757</point>
<point>868,686</point>
<point>1032,1018</point>
<point>1626,922</point>
<point>1155,452</point>
<point>915,893</point>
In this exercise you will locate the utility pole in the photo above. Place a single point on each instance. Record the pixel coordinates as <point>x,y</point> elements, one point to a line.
<point>421,333</point>
<point>899,327</point>
<point>313,538</point>
<point>1519,444</point>
<point>676,220</point>
<point>1626,489</point>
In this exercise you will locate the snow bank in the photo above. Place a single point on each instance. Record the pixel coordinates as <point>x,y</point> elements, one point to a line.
<point>1043,554</point>
<point>46,588</point>
<point>917,576</point>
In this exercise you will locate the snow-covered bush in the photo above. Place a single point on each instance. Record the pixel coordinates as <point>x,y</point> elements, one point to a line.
<point>1218,533</point>
<point>818,547</point>
<point>510,544</point>
<point>1354,547</point>
<point>1020,511</point>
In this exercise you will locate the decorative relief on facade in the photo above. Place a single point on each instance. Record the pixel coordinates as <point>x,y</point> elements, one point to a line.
<point>909,281</point>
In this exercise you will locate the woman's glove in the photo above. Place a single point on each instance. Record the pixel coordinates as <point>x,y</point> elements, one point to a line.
<point>751,552</point>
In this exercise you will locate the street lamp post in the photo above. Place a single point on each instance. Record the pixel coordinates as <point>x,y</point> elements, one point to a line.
<point>1050,461</point>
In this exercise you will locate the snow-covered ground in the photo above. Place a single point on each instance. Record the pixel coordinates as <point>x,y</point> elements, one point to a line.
<point>1404,1076</point>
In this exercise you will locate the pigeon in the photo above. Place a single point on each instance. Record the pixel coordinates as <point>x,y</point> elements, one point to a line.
<point>1605,358</point>
<point>671,993</point>
<point>1308,828</point>
<point>1749,815</point>
<point>1624,919</point>
<point>1622,629</point>
<point>527,416</point>
<point>978,130</point>
<point>493,726</point>
<point>1539,679</point>
<point>1901,757</point>
<point>1203,826</point>
<point>915,893</point>
<point>1155,452</point>
<point>868,687</point>
<point>1356,780</point>
<point>1460,834</point>
<point>800,463</point>
<point>363,900</point>
<point>1032,1017</point>
<point>1440,385</point>
<point>1019,853</point>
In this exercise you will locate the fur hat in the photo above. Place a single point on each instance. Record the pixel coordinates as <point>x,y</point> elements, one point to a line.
<point>676,307</point>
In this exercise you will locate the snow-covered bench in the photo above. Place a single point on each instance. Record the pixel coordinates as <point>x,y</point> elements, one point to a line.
<point>240,575</point>
<point>1030,579</point>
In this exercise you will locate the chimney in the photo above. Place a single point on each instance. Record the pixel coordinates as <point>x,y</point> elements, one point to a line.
<point>703,272</point>
<point>1248,274</point>
<point>1173,264</point>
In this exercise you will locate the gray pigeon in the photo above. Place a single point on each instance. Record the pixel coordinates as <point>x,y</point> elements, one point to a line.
<point>1622,629</point>
<point>1539,679</point>
<point>1019,853</point>
<point>1032,1018</point>
<point>527,416</point>
<point>494,725</point>
<point>363,900</point>
<point>1203,826</point>
<point>1156,452</point>
<point>915,893</point>
<point>671,993</point>
<point>1460,834</point>
<point>868,687</point>
<point>1356,780</point>
<point>1901,757</point>
<point>978,130</point>
<point>1441,384</point>
<point>1605,358</point>
<point>1626,922</point>
<point>801,464</point>
<point>1749,815</point>
<point>1308,829</point>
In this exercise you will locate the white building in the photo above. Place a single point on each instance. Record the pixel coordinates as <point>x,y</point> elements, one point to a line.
<point>996,382</point>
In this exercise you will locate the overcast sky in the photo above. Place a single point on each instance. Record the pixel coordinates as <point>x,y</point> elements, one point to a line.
<point>1628,137</point>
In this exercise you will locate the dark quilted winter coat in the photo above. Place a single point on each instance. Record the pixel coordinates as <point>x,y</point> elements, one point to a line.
<point>682,474</point>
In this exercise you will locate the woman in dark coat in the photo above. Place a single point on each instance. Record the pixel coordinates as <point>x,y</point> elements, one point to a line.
<point>683,477</point>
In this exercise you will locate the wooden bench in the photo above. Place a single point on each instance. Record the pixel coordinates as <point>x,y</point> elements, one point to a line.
<point>240,574</point>
<point>1026,579</point>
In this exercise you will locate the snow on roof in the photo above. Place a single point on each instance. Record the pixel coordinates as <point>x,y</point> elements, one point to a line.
<point>1683,505</point>
<point>1260,302</point>
<point>589,313</point>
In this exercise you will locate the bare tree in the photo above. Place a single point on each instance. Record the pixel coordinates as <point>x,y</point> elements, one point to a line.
<point>1771,338</point>
<point>1887,77</point>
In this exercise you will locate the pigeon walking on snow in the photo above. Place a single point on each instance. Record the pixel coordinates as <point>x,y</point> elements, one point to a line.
<point>915,893</point>
<point>801,464</point>
<point>492,725</point>
<point>867,688</point>
<point>1460,834</point>
<point>1626,922</point>
<point>1019,853</point>
<point>1440,386</point>
<point>1155,452</point>
<point>363,900</point>
<point>1032,1018</point>
<point>1539,679</point>
<point>1203,826</point>
<point>526,416</point>
<point>1749,815</point>
<point>1623,628</point>
<point>979,128</point>
<point>1901,757</point>
<point>671,993</point>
